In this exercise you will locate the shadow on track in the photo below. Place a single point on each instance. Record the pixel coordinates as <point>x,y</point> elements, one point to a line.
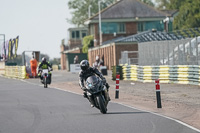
<point>114,113</point>
<point>119,113</point>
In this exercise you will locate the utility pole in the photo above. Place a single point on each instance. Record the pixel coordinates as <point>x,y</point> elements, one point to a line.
<point>100,32</point>
<point>89,11</point>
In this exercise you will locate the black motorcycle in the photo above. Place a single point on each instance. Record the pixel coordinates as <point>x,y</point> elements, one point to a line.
<point>97,93</point>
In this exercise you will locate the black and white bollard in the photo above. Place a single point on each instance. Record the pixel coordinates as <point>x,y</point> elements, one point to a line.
<point>158,97</point>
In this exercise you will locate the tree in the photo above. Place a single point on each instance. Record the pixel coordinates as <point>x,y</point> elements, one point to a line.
<point>162,4</point>
<point>45,55</point>
<point>189,15</point>
<point>148,2</point>
<point>80,9</point>
<point>55,61</point>
<point>175,4</point>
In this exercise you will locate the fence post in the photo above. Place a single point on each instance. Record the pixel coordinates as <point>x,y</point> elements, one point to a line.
<point>117,86</point>
<point>158,97</point>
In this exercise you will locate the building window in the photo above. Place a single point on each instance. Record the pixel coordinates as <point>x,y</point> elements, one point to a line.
<point>92,29</point>
<point>83,34</point>
<point>110,28</point>
<point>145,26</point>
<point>121,28</point>
<point>140,26</point>
<point>75,34</point>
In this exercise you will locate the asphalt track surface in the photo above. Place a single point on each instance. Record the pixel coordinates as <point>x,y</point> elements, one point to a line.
<point>31,108</point>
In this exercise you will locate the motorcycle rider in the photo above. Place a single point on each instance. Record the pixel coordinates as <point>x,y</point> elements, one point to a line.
<point>87,71</point>
<point>44,65</point>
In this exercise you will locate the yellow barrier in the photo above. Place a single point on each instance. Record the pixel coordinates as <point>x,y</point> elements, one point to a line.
<point>55,67</point>
<point>15,72</point>
<point>2,67</point>
<point>181,74</point>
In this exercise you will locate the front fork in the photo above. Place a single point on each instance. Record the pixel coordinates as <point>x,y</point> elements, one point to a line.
<point>92,98</point>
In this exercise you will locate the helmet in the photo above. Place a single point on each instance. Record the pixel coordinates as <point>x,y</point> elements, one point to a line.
<point>44,59</point>
<point>97,58</point>
<point>84,65</point>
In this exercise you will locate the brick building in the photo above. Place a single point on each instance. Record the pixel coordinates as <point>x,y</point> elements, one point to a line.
<point>74,44</point>
<point>111,52</point>
<point>121,20</point>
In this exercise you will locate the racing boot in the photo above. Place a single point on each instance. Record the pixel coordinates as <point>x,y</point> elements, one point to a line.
<point>85,95</point>
<point>91,101</point>
<point>49,78</point>
<point>107,95</point>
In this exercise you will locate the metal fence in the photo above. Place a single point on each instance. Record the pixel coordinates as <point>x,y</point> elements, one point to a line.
<point>129,57</point>
<point>173,52</point>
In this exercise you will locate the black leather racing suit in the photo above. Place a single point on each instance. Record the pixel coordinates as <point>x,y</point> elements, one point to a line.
<point>83,75</point>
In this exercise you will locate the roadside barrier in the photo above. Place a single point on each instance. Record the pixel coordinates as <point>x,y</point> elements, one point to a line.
<point>55,67</point>
<point>117,86</point>
<point>158,97</point>
<point>130,72</point>
<point>181,74</point>
<point>2,68</point>
<point>15,72</point>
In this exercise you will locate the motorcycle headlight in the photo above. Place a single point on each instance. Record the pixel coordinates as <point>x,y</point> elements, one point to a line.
<point>89,85</point>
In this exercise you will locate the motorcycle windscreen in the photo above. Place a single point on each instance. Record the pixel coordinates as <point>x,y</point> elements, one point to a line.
<point>92,83</point>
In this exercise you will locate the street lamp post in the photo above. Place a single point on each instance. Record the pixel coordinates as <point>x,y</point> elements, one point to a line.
<point>89,11</point>
<point>100,32</point>
<point>166,20</point>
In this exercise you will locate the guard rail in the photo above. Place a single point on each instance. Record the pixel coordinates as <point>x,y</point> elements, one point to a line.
<point>181,74</point>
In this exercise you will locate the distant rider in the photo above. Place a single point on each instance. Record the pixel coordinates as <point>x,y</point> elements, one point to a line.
<point>87,71</point>
<point>44,65</point>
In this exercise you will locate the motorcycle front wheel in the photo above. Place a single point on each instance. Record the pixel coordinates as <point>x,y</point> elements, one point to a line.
<point>101,104</point>
<point>45,82</point>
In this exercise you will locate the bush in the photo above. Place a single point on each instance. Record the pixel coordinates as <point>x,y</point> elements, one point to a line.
<point>87,43</point>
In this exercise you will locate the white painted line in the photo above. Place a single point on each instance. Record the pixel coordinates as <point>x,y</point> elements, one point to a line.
<point>66,90</point>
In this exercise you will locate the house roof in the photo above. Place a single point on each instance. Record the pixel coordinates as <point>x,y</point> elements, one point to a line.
<point>153,35</point>
<point>78,28</point>
<point>126,9</point>
<point>170,12</point>
<point>147,36</point>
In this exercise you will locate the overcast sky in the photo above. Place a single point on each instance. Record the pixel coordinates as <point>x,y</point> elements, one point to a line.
<point>40,24</point>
